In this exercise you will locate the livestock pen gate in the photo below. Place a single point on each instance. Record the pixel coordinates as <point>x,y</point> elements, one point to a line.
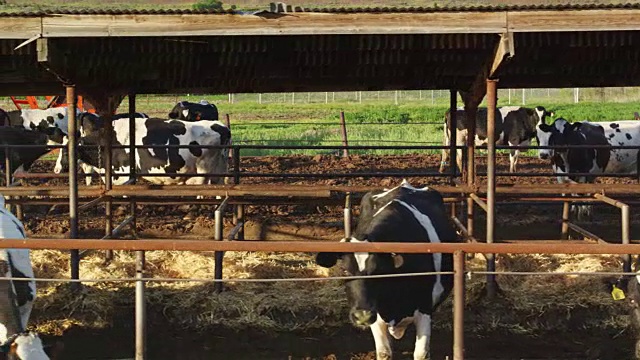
<point>470,50</point>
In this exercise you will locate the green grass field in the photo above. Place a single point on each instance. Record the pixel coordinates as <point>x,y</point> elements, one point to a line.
<point>371,123</point>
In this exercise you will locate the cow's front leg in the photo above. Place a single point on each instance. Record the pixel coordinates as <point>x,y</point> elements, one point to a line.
<point>513,160</point>
<point>423,336</point>
<point>380,332</point>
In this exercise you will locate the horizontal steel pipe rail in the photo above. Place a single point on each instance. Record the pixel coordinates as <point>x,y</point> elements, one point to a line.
<point>319,246</point>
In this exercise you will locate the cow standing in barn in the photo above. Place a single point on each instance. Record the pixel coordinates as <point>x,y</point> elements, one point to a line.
<point>89,122</point>
<point>514,126</point>
<point>171,161</point>
<point>21,159</point>
<point>16,297</point>
<point>592,161</point>
<point>390,305</point>
<point>188,111</point>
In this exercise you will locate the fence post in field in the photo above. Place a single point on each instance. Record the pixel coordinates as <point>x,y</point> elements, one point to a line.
<point>396,98</point>
<point>227,121</point>
<point>360,97</point>
<point>333,96</point>
<point>524,100</point>
<point>293,98</point>
<point>420,94</point>
<point>260,98</point>
<point>509,96</point>
<point>326,97</point>
<point>230,98</point>
<point>576,95</point>
<point>433,97</point>
<point>343,126</point>
<point>308,98</point>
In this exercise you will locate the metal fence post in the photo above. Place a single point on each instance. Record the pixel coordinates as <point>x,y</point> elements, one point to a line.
<point>458,305</point>
<point>73,180</point>
<point>347,216</point>
<point>491,180</point>
<point>343,127</point>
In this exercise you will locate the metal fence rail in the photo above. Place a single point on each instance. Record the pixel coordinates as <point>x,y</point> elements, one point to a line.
<point>458,249</point>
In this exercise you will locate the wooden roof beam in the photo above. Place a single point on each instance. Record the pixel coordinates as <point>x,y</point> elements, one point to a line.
<point>284,24</point>
<point>506,50</point>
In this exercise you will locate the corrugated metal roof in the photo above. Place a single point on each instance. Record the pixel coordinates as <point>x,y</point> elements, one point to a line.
<point>337,10</point>
<point>479,8</point>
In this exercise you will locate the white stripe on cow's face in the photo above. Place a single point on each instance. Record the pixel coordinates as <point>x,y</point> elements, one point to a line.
<point>426,223</point>
<point>361,257</point>
<point>185,113</point>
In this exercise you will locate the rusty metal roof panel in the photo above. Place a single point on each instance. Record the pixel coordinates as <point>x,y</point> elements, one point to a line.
<point>97,11</point>
<point>336,10</point>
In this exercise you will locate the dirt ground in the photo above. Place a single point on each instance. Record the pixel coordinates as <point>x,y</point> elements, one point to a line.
<point>508,337</point>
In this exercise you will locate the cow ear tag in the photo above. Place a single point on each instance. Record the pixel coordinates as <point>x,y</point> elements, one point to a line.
<point>398,260</point>
<point>617,293</point>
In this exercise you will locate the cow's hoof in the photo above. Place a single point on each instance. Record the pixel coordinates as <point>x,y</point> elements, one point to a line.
<point>383,356</point>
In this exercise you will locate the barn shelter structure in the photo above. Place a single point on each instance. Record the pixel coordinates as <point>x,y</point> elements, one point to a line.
<point>106,55</point>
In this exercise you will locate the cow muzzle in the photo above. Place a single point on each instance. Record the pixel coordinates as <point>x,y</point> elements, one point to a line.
<point>362,318</point>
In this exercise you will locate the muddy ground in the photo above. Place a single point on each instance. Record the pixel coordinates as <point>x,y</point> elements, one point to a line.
<point>317,222</point>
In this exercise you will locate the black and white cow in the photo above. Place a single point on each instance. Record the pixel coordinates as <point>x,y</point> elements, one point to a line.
<point>160,160</point>
<point>390,305</point>
<point>595,161</point>
<point>515,126</point>
<point>188,111</point>
<point>21,159</point>
<point>17,297</point>
<point>89,122</point>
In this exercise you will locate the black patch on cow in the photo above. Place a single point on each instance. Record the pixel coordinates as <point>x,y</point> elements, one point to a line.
<point>60,116</point>
<point>614,125</point>
<point>628,136</point>
<point>611,136</point>
<point>618,130</point>
<point>196,151</point>
<point>50,120</point>
<point>23,291</point>
<point>225,133</point>
<point>161,133</point>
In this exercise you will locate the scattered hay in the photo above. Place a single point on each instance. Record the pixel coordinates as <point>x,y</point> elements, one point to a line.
<point>529,304</point>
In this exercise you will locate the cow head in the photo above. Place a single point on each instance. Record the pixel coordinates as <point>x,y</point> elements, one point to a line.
<point>182,111</point>
<point>551,135</point>
<point>542,114</point>
<point>362,294</point>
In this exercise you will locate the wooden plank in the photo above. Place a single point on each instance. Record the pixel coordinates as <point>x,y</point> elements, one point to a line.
<point>574,20</point>
<point>20,27</point>
<point>294,24</point>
